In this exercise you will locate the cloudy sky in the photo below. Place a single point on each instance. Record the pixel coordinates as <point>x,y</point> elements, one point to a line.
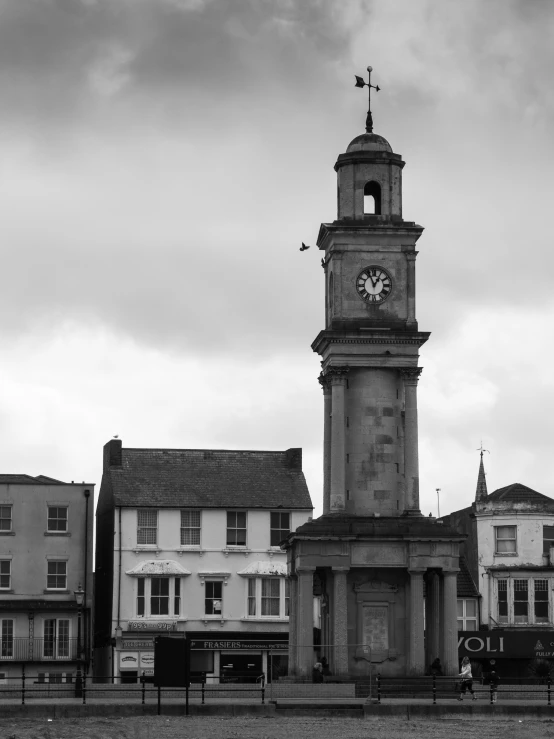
<point>162,160</point>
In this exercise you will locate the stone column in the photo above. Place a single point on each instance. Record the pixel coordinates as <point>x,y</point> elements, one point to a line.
<point>410,259</point>
<point>293,626</point>
<point>305,621</point>
<point>432,618</point>
<point>337,380</point>
<point>416,659</point>
<point>326,386</point>
<point>410,377</point>
<point>340,621</point>
<point>450,624</point>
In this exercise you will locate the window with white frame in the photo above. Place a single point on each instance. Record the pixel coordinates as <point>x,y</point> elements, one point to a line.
<point>279,527</point>
<point>267,597</point>
<point>236,528</point>
<point>213,598</point>
<point>523,600</point>
<point>505,539</point>
<point>547,539</point>
<point>6,638</point>
<point>158,596</point>
<point>56,638</point>
<point>57,519</point>
<point>467,614</point>
<point>147,526</point>
<point>5,517</point>
<point>190,528</point>
<point>5,574</point>
<point>56,578</point>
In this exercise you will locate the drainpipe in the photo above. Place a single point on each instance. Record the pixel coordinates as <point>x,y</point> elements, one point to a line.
<point>85,611</point>
<point>119,576</point>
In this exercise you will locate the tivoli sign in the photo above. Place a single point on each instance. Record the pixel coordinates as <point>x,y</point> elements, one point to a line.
<point>509,644</point>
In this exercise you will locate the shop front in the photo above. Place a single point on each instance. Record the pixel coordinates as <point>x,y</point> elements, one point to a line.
<point>515,654</point>
<point>230,657</point>
<point>135,649</point>
<point>238,657</point>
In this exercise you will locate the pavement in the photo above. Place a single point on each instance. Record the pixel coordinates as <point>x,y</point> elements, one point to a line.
<point>325,707</point>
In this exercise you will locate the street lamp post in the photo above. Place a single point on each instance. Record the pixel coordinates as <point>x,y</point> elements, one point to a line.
<point>80,599</point>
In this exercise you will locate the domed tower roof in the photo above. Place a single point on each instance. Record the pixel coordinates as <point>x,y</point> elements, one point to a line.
<point>369,142</point>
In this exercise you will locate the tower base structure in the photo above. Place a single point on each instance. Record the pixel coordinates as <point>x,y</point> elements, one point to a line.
<point>387,589</point>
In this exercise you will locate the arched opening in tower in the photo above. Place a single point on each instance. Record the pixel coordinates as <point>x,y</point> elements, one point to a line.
<point>372,198</point>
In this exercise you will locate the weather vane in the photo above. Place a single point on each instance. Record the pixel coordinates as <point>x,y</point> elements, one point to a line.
<point>360,82</point>
<point>483,450</point>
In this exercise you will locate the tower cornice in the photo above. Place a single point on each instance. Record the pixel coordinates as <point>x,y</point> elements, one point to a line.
<point>378,225</point>
<point>370,336</point>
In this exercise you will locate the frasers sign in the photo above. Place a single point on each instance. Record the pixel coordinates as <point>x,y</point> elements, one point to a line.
<point>509,644</point>
<point>250,644</point>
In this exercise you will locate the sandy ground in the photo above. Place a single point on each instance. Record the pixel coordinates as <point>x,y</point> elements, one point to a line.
<point>272,728</point>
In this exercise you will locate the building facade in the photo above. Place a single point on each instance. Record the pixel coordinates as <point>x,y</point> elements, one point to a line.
<point>372,551</point>
<point>46,530</point>
<point>188,543</point>
<point>510,548</point>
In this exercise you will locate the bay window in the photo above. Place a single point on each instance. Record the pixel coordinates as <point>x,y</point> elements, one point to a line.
<point>158,596</point>
<point>523,600</point>
<point>267,597</point>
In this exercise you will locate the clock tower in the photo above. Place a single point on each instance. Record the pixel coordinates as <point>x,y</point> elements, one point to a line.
<point>371,556</point>
<point>370,344</point>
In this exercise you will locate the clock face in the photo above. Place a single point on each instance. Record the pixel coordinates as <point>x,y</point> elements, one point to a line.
<point>374,284</point>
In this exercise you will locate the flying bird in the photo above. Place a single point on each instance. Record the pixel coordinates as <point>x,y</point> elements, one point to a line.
<point>304,247</point>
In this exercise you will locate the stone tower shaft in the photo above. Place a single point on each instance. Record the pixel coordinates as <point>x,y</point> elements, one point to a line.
<point>370,345</point>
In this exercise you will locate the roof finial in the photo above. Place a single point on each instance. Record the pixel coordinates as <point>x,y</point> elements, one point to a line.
<point>481,491</point>
<point>360,82</point>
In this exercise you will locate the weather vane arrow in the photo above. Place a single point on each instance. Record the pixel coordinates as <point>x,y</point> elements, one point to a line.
<point>360,82</point>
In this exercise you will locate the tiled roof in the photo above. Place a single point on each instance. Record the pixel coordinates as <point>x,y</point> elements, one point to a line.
<point>466,586</point>
<point>28,480</point>
<point>517,492</point>
<point>197,478</point>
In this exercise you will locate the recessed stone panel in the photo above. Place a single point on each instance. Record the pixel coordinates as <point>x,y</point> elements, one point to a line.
<point>385,554</point>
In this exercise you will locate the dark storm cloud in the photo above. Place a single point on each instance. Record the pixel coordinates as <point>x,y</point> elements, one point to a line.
<point>163,159</point>
<point>60,59</point>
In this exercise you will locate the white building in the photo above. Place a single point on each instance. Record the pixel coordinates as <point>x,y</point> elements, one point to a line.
<point>510,538</point>
<point>188,541</point>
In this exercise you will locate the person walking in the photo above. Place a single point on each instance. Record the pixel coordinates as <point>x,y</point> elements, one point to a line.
<point>494,680</point>
<point>467,679</point>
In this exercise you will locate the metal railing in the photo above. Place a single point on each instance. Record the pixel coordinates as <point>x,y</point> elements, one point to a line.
<point>435,686</point>
<point>20,649</point>
<point>27,687</point>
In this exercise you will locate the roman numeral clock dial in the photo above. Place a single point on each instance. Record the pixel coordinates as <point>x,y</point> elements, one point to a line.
<point>374,284</point>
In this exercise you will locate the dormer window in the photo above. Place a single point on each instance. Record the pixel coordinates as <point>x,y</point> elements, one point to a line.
<point>372,198</point>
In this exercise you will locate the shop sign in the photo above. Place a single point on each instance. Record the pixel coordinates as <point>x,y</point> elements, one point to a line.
<point>240,645</point>
<point>509,644</point>
<point>151,625</point>
<point>146,660</point>
<point>128,660</point>
<point>136,644</point>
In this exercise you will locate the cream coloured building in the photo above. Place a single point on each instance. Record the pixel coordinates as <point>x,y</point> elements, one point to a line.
<point>45,578</point>
<point>510,552</point>
<point>188,543</point>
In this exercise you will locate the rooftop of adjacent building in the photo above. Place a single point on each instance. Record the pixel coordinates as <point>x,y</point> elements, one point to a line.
<point>203,478</point>
<point>14,479</point>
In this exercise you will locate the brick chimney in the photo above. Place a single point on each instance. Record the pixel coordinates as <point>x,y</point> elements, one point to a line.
<point>293,458</point>
<point>113,454</point>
